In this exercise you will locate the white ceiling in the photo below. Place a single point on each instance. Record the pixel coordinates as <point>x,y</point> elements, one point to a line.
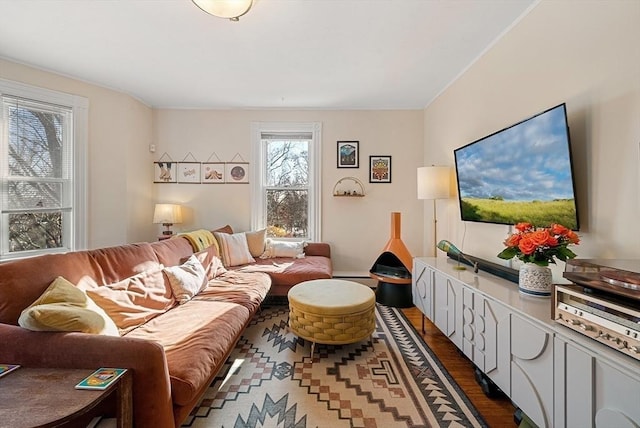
<point>302,54</point>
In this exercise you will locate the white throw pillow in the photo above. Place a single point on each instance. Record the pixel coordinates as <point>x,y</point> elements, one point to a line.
<point>187,279</point>
<point>275,248</point>
<point>234,249</point>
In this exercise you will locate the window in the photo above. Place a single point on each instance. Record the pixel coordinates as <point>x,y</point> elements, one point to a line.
<point>43,145</point>
<point>286,188</point>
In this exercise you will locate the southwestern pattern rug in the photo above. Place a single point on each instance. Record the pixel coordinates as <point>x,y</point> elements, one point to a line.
<point>394,380</point>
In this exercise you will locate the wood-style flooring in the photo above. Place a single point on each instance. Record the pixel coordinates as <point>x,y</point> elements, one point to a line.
<point>497,412</point>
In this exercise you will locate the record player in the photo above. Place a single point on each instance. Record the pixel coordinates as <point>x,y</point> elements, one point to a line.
<point>603,302</point>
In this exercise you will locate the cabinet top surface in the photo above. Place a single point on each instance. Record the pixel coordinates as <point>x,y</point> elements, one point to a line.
<point>497,288</point>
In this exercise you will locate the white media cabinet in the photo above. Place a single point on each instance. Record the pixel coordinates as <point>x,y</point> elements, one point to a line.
<point>559,378</point>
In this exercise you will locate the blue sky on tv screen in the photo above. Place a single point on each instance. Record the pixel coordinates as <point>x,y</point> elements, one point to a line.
<point>529,161</point>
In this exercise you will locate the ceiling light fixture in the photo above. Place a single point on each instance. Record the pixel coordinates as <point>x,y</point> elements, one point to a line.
<point>229,9</point>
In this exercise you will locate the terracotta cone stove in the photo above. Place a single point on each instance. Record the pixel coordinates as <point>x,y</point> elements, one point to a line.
<point>392,269</point>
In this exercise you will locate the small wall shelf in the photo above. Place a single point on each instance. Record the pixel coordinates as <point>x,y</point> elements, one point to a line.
<point>349,187</point>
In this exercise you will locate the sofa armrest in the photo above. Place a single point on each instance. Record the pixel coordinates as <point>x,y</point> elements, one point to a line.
<point>152,404</point>
<point>318,249</point>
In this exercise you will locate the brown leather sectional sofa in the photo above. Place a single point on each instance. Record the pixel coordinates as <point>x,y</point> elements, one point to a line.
<point>174,355</point>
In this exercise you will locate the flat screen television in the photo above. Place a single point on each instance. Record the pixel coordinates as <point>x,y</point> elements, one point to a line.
<point>523,173</point>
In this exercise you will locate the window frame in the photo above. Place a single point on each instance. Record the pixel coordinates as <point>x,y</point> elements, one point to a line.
<point>258,180</point>
<point>74,237</point>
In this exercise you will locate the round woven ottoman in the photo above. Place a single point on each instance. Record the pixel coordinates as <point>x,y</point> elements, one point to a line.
<point>331,311</point>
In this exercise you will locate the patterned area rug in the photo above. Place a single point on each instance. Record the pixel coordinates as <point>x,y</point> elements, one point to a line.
<point>394,380</point>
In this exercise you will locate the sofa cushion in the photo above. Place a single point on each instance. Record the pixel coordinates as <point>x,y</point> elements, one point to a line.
<point>187,279</point>
<point>210,259</point>
<point>275,248</point>
<point>134,300</point>
<point>224,229</point>
<point>243,288</point>
<point>234,249</point>
<point>64,307</point>
<point>172,252</point>
<point>308,268</point>
<point>196,337</point>
<point>121,262</point>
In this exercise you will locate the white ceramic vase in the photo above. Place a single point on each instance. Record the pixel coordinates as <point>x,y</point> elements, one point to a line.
<point>535,280</point>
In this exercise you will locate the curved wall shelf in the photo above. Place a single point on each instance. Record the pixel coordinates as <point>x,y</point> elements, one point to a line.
<point>349,187</point>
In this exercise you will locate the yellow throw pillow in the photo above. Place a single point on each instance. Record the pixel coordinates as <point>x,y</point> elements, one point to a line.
<point>64,307</point>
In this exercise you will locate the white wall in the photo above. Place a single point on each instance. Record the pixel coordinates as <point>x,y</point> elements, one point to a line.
<point>586,54</point>
<point>356,228</point>
<point>120,205</point>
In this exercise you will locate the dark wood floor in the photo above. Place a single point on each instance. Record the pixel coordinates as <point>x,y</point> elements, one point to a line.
<point>497,412</point>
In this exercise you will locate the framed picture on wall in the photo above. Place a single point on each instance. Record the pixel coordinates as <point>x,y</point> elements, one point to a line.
<point>348,154</point>
<point>213,172</point>
<point>164,172</point>
<point>189,172</point>
<point>379,169</point>
<point>236,172</point>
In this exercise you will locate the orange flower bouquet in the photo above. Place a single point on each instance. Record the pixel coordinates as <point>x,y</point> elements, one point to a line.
<point>540,245</point>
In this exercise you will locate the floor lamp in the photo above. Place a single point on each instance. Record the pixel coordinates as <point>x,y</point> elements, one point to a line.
<point>434,183</point>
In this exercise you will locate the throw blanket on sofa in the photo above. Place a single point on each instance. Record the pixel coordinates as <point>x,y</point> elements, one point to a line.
<point>275,267</point>
<point>200,239</point>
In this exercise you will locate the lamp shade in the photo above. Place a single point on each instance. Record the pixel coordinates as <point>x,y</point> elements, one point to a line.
<point>434,182</point>
<point>167,214</point>
<point>229,9</point>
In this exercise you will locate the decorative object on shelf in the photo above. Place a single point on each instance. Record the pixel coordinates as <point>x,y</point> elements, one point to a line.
<point>189,171</point>
<point>537,247</point>
<point>168,215</point>
<point>237,172</point>
<point>348,154</point>
<point>434,183</point>
<point>228,9</point>
<point>453,251</point>
<point>379,169</point>
<point>164,170</point>
<point>535,280</point>
<point>348,186</point>
<point>213,172</point>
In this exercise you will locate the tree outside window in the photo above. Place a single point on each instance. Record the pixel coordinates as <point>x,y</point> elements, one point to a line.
<point>286,185</point>
<point>287,190</point>
<point>35,182</point>
<point>43,140</point>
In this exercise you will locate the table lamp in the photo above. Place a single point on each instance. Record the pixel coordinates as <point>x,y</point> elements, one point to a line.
<point>168,215</point>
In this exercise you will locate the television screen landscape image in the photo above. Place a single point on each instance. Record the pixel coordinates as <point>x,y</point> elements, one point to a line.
<point>522,173</point>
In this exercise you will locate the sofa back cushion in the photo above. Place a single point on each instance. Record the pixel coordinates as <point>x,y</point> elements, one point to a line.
<point>23,281</point>
<point>210,260</point>
<point>121,262</point>
<point>172,252</point>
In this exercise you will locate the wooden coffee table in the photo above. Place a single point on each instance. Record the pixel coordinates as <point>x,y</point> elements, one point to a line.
<point>46,397</point>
